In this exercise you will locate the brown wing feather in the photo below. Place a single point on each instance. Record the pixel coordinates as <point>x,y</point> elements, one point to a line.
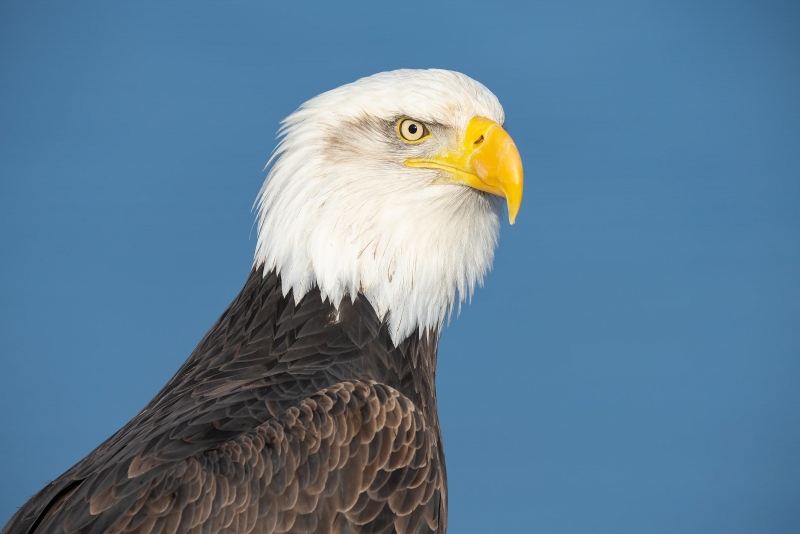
<point>194,449</point>
<point>355,457</point>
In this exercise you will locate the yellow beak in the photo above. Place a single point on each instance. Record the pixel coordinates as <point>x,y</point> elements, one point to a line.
<point>487,160</point>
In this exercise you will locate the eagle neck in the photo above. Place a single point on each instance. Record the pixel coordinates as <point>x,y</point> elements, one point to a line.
<point>267,338</point>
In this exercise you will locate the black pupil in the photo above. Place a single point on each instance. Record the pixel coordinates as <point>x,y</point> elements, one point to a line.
<point>412,129</point>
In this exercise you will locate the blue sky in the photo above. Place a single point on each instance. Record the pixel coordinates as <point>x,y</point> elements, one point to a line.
<point>632,363</point>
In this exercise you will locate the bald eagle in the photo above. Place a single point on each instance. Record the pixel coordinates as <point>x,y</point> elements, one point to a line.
<point>310,405</point>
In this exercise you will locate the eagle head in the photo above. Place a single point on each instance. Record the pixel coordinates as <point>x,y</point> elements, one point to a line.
<point>393,187</point>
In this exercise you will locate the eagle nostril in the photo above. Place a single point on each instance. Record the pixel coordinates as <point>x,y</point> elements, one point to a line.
<point>478,140</point>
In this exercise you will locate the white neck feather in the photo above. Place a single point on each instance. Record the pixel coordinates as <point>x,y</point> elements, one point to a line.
<point>339,212</point>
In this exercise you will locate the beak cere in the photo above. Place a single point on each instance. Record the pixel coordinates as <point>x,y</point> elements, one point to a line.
<point>487,160</point>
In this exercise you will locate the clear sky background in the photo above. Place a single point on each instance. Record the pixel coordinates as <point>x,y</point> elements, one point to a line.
<point>631,365</point>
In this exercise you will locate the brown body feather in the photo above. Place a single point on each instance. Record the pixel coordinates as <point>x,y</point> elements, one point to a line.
<point>286,418</point>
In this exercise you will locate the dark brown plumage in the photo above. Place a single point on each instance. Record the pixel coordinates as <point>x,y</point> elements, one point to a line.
<point>285,418</point>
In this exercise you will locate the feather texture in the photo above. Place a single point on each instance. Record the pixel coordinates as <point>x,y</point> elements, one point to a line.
<point>288,417</point>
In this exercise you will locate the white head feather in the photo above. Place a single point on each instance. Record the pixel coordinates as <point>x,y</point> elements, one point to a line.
<point>340,211</point>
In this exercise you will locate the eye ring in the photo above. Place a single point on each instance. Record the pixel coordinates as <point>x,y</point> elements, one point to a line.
<point>412,131</point>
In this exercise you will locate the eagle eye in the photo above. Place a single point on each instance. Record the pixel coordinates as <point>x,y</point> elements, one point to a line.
<point>412,131</point>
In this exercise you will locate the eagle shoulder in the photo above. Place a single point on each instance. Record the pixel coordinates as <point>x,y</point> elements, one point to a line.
<point>354,457</point>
